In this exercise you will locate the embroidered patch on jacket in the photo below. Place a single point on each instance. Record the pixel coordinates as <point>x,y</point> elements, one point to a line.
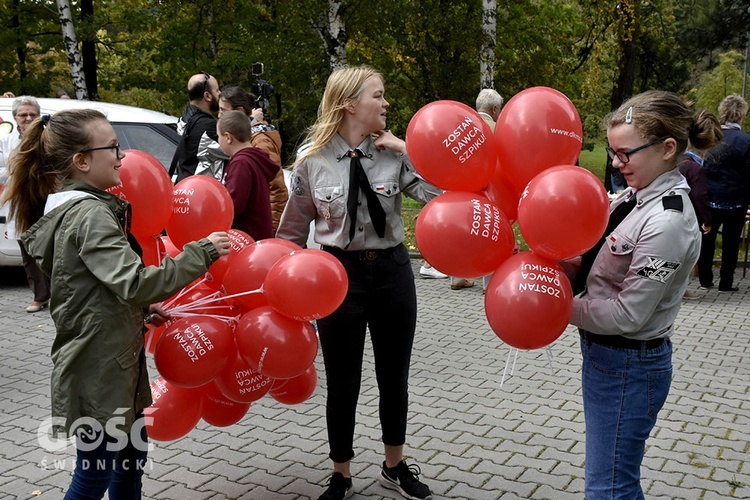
<point>298,188</point>
<point>658,269</point>
<point>613,244</point>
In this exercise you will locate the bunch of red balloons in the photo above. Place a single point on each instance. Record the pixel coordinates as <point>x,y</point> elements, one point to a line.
<point>247,334</point>
<point>244,329</point>
<point>523,172</point>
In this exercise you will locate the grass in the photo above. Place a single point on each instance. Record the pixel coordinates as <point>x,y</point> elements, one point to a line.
<point>594,161</point>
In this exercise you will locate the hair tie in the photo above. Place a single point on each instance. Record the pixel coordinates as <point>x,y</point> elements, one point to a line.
<point>694,129</point>
<point>45,120</point>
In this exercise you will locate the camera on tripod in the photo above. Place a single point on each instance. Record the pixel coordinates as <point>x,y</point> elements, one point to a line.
<point>261,88</point>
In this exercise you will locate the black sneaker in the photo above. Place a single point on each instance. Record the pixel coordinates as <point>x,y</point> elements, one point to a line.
<point>405,479</point>
<point>339,487</point>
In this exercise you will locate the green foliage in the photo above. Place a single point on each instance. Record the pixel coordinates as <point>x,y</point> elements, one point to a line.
<point>724,79</point>
<point>427,50</point>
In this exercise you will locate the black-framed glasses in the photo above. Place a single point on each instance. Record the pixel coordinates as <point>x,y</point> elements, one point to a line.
<point>205,81</point>
<point>116,147</point>
<point>624,156</point>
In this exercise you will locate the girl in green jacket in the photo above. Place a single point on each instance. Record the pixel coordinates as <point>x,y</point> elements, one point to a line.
<point>101,292</point>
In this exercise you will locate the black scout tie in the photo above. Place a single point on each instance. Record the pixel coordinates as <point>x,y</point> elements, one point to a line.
<point>587,260</point>
<point>358,181</point>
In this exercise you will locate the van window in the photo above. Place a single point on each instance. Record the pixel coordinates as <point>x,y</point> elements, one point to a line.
<point>155,139</point>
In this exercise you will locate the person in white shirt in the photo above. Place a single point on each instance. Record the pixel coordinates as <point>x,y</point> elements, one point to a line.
<point>25,110</point>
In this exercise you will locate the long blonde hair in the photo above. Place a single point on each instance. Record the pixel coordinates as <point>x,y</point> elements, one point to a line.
<point>343,88</point>
<point>43,160</point>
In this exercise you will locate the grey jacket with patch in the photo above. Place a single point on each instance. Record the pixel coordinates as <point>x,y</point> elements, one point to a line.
<point>637,281</point>
<point>320,188</point>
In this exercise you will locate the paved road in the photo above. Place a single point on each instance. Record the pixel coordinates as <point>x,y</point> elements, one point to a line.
<point>472,438</point>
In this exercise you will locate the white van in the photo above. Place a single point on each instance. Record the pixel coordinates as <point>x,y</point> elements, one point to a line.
<point>136,128</point>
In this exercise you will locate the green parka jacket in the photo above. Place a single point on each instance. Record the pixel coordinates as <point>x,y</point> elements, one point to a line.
<point>100,292</point>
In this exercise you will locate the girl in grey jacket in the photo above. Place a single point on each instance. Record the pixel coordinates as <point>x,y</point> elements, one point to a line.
<point>634,289</point>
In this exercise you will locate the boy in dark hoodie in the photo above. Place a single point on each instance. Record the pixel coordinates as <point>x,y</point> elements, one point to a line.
<point>246,176</point>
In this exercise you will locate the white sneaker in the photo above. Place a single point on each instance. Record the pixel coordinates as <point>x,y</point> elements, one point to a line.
<point>430,272</point>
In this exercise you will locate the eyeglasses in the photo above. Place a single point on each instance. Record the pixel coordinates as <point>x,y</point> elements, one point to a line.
<point>116,147</point>
<point>624,156</point>
<point>30,116</point>
<point>205,81</point>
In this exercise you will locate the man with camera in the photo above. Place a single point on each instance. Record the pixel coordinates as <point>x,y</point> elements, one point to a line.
<point>197,120</point>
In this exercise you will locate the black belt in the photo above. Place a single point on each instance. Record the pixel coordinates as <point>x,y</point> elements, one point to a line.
<point>369,255</point>
<point>620,341</point>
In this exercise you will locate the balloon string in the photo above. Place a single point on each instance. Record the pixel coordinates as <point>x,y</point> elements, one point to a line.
<point>221,317</point>
<point>214,297</point>
<point>507,362</point>
<point>548,349</point>
<point>184,291</point>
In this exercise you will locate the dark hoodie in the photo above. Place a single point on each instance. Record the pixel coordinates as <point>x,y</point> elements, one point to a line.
<point>246,177</point>
<point>196,123</point>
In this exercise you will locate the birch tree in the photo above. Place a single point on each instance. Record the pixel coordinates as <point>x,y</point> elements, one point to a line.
<point>71,49</point>
<point>489,41</point>
<point>332,30</point>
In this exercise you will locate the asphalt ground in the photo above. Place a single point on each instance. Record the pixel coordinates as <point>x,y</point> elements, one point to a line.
<point>474,435</point>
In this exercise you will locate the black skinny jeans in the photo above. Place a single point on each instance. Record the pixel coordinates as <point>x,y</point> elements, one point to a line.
<point>732,221</point>
<point>381,295</point>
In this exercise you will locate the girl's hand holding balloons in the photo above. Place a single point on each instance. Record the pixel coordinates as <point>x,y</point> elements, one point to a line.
<point>220,239</point>
<point>157,315</point>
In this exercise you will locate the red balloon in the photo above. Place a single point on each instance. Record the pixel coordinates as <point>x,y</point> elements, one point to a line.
<point>151,249</point>
<point>501,191</point>
<point>220,411</point>
<point>239,382</point>
<point>296,390</point>
<point>146,185</point>
<point>276,345</point>
<point>563,212</point>
<point>306,285</point>
<point>528,301</point>
<point>248,269</point>
<point>451,146</point>
<point>202,205</point>
<point>169,247</point>
<point>152,336</point>
<point>538,128</point>
<point>174,412</point>
<point>199,290</point>
<point>237,241</point>
<point>464,234</point>
<point>193,350</point>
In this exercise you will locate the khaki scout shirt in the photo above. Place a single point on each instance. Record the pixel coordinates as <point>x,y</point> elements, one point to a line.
<point>319,190</point>
<point>639,276</point>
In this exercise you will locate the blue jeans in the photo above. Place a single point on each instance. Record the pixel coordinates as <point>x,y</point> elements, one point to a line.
<point>382,296</point>
<point>100,469</point>
<point>623,391</point>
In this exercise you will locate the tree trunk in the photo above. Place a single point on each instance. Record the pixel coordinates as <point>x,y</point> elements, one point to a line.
<point>71,49</point>
<point>23,71</point>
<point>332,30</point>
<point>627,39</point>
<point>212,44</point>
<point>88,51</point>
<point>489,42</point>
